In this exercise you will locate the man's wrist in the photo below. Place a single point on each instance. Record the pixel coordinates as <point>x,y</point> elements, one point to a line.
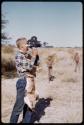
<point>33,56</point>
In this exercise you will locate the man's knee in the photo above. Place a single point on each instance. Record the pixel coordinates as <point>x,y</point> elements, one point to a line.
<point>18,107</point>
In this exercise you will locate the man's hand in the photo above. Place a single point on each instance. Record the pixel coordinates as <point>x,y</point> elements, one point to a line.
<point>34,52</point>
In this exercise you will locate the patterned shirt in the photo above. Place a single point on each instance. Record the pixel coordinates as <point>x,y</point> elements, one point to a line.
<point>23,64</point>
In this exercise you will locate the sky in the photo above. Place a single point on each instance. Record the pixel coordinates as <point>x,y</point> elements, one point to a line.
<point>57,23</point>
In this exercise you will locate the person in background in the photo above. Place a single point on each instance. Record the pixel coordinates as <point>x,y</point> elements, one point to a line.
<point>77,61</point>
<point>50,67</point>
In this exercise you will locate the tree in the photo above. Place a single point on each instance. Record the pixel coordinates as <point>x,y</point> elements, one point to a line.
<point>4,36</point>
<point>44,44</point>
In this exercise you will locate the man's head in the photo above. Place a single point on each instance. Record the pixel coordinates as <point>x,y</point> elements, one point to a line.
<point>22,44</point>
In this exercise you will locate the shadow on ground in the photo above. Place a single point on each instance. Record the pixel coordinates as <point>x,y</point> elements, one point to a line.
<point>39,109</point>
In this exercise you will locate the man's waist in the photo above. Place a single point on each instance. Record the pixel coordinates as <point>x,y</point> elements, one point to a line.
<point>29,75</point>
<point>25,74</point>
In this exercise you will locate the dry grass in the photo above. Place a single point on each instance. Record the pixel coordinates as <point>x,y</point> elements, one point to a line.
<point>7,60</point>
<point>65,90</point>
<point>69,77</point>
<point>7,49</point>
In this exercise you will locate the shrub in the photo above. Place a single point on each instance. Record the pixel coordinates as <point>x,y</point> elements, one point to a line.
<point>7,65</point>
<point>7,60</point>
<point>7,49</point>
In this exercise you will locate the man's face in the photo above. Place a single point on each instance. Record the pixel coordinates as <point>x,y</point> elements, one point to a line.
<point>25,46</point>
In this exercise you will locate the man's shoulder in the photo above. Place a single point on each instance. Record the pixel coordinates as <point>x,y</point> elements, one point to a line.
<point>19,54</point>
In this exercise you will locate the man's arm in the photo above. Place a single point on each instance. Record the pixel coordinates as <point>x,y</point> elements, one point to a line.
<point>29,55</point>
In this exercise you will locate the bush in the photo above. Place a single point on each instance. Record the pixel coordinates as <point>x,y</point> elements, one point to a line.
<point>7,66</point>
<point>7,61</point>
<point>7,49</point>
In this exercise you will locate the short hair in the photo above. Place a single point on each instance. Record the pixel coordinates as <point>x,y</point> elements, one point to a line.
<point>20,41</point>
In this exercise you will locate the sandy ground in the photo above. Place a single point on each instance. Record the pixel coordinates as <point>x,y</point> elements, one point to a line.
<point>60,100</point>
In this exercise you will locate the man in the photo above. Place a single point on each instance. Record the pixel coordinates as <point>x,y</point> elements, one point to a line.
<point>22,66</point>
<point>77,61</point>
